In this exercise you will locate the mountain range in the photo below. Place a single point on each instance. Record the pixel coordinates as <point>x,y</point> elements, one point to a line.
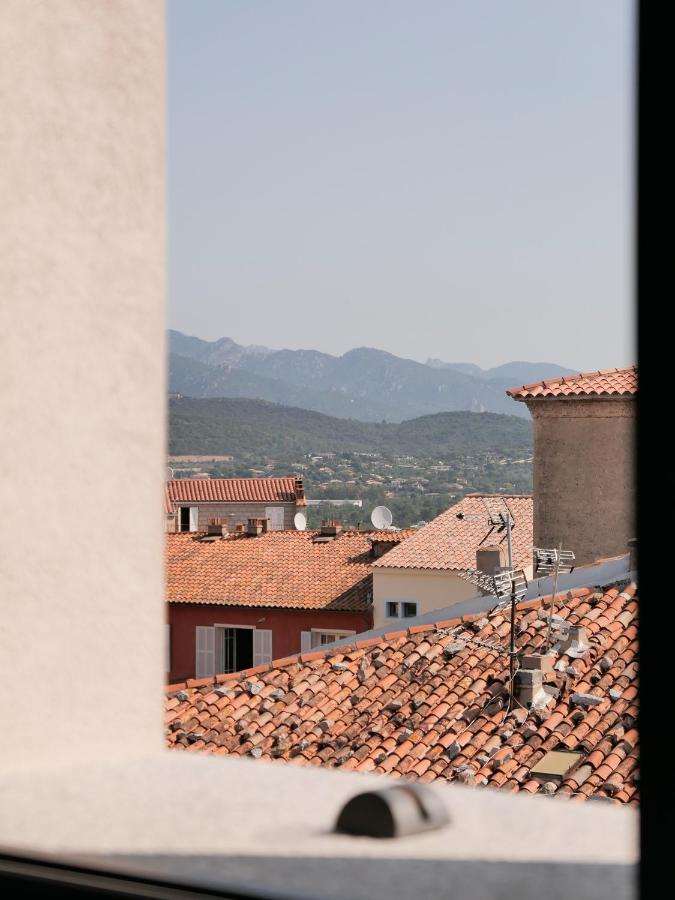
<point>365,384</point>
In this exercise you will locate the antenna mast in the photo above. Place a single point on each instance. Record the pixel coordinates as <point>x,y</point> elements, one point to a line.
<point>555,561</point>
<point>508,586</point>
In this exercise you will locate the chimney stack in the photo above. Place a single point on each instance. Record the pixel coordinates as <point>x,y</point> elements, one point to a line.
<point>331,527</point>
<point>529,680</point>
<point>217,527</point>
<point>575,643</point>
<point>256,527</point>
<point>299,488</point>
<point>490,559</point>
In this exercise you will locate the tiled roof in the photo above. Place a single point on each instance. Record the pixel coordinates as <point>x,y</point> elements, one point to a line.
<point>393,537</point>
<point>236,490</point>
<point>605,383</point>
<point>278,569</point>
<point>451,543</point>
<point>431,703</point>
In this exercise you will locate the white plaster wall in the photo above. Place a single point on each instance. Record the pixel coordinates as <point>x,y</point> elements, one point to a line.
<point>82,376</point>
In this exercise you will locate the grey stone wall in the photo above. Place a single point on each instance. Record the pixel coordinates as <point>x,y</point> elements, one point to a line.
<point>584,475</point>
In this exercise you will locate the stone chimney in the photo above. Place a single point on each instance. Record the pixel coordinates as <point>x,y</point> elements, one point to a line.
<point>299,490</point>
<point>491,558</point>
<point>575,643</point>
<point>584,461</point>
<point>529,681</point>
<point>331,528</point>
<point>255,527</point>
<point>216,526</point>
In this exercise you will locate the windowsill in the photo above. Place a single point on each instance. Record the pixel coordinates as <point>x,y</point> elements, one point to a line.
<point>237,816</point>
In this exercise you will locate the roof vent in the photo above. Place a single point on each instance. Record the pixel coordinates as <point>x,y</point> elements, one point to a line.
<point>331,528</point>
<point>529,688</point>
<point>575,643</point>
<point>490,559</point>
<point>542,662</point>
<point>216,527</point>
<point>255,527</point>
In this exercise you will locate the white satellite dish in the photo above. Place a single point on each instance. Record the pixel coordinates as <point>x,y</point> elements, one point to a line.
<point>300,521</point>
<point>381,517</point>
<point>169,473</point>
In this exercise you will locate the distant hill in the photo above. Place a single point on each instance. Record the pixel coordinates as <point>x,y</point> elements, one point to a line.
<point>237,426</point>
<point>516,373</point>
<point>364,383</point>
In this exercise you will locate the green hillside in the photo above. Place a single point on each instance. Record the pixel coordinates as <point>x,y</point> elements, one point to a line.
<point>241,427</point>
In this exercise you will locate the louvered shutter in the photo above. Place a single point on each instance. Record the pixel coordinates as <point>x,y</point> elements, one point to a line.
<point>262,646</point>
<point>275,514</point>
<point>305,641</point>
<point>194,518</point>
<point>205,661</point>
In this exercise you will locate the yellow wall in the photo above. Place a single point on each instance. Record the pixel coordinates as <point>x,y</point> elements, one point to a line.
<point>429,589</point>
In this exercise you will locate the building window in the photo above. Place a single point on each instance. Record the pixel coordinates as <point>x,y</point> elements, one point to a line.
<point>228,648</point>
<point>189,518</point>
<point>317,638</point>
<point>234,649</point>
<point>400,609</point>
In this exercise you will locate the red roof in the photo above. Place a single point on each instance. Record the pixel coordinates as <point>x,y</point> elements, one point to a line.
<point>605,383</point>
<point>286,569</point>
<point>431,703</point>
<point>449,542</point>
<point>236,490</point>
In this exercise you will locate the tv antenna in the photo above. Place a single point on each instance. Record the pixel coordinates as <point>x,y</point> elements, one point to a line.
<point>507,585</point>
<point>553,561</point>
<point>381,518</point>
<point>497,519</point>
<point>300,521</point>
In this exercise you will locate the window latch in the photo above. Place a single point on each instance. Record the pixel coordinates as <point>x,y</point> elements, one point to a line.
<point>393,812</point>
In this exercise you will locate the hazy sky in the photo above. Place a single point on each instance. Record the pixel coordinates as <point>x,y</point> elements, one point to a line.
<point>447,179</point>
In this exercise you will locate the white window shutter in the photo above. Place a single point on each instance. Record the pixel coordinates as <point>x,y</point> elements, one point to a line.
<point>262,646</point>
<point>194,518</point>
<point>305,641</point>
<point>206,655</point>
<point>275,514</point>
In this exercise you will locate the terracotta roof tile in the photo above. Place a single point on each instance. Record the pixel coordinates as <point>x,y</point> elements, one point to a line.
<point>283,569</point>
<point>235,490</point>
<point>449,542</point>
<point>438,718</point>
<point>605,383</point>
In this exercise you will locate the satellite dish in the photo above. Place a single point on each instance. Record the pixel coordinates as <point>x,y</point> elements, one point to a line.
<point>381,517</point>
<point>169,473</point>
<point>300,522</point>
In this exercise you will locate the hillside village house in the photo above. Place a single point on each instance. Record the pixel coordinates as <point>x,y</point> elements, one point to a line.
<point>422,573</point>
<point>189,503</point>
<point>240,600</point>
